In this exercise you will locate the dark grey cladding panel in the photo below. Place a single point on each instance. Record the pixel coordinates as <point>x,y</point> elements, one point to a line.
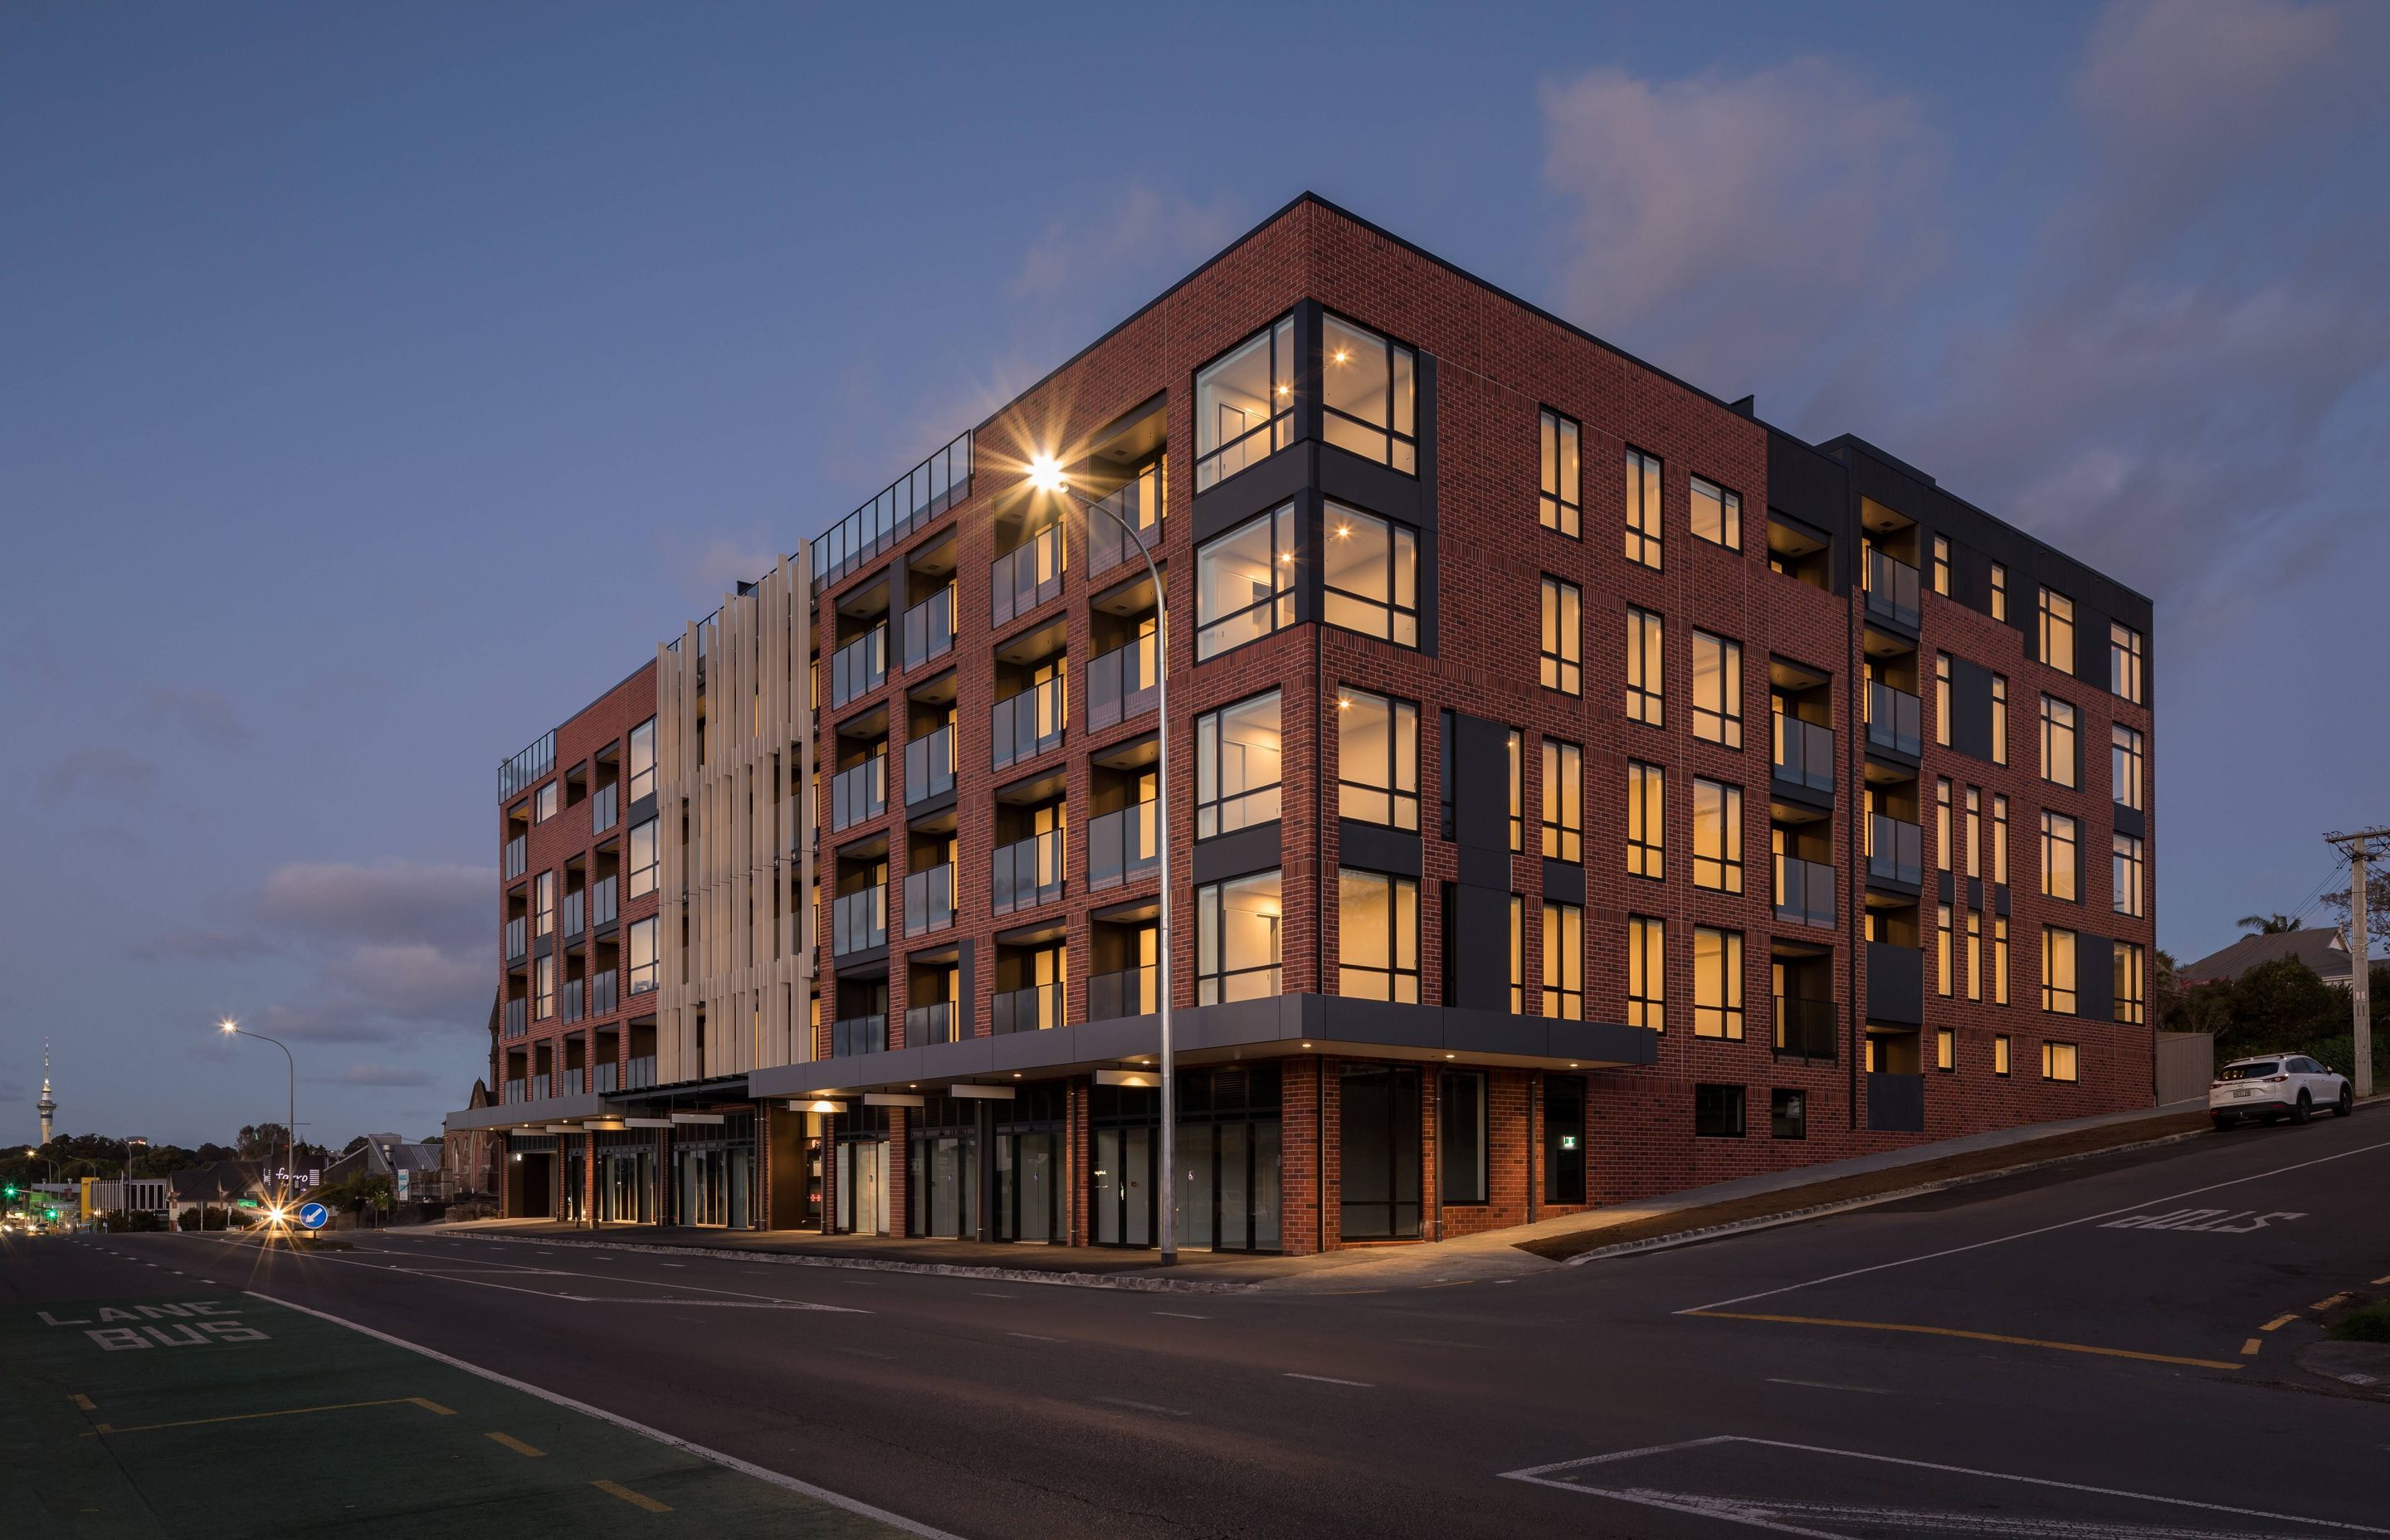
<point>1942,892</point>
<point>968,963</point>
<point>1481,943</point>
<point>1971,708</point>
<point>1255,490</point>
<point>1975,894</point>
<point>937,802</point>
<point>2095,977</point>
<point>1375,488</point>
<point>1374,847</point>
<point>1254,849</point>
<point>1896,983</point>
<point>641,811</point>
<point>1481,787</point>
<point>1564,881</point>
<point>2131,821</point>
<point>2000,900</point>
<point>1485,870</point>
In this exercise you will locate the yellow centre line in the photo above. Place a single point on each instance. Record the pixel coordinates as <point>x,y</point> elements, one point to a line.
<point>1970,1335</point>
<point>2327,1304</point>
<point>2250,1347</point>
<point>636,1500</point>
<point>518,1447</point>
<point>294,1411</point>
<point>2279,1322</point>
<point>82,1402</point>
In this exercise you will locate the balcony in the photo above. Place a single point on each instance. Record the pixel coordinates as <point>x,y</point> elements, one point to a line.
<point>602,809</point>
<point>1129,992</point>
<point>1028,873</point>
<point>1021,580</point>
<point>518,856</point>
<point>1121,684</point>
<point>604,1078</point>
<point>575,993</point>
<point>1027,724</point>
<point>518,943</point>
<point>539,1087</point>
<point>1031,1009</point>
<point>1138,503</point>
<point>518,1019</point>
<point>931,1023</point>
<point>930,628</point>
<point>514,1093</point>
<point>1805,891</point>
<point>1892,588</point>
<point>568,1083</point>
<point>859,921</point>
<point>856,1034</point>
<point>934,485</point>
<point>929,902</point>
<point>1805,753</point>
<point>601,992</point>
<point>1896,851</point>
<point>1805,1029</point>
<point>1120,846</point>
<point>576,912</point>
<point>527,766</point>
<point>859,792</point>
<point>602,909</point>
<point>859,667</point>
<point>639,1075</point>
<point>929,765</point>
<point>1891,719</point>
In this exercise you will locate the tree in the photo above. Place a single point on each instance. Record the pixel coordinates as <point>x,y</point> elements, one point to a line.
<point>2280,1003</point>
<point>2268,925</point>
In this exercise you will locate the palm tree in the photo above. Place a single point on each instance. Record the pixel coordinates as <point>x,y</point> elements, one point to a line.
<point>2267,925</point>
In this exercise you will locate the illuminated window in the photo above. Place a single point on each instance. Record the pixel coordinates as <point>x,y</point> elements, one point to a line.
<point>1370,573</point>
<point>1237,938</point>
<point>1244,404</point>
<point>1975,955</point>
<point>2125,661</point>
<point>1945,1049</point>
<point>1518,791</point>
<point>2058,1062</point>
<point>543,987</point>
<point>642,876</point>
<point>1244,583</point>
<point>2000,719</point>
<point>1647,820</point>
<point>1975,831</point>
<point>1718,836</point>
<point>1238,750</point>
<point>1717,983</point>
<point>2057,631</point>
<point>2129,984</point>
<point>1717,515</point>
<point>1717,690</point>
<point>1559,507</point>
<point>1643,509</point>
<point>1564,801</point>
<point>1377,937</point>
<point>2125,766</point>
<point>1518,955</point>
<point>2058,747</point>
<point>2061,857</point>
<point>643,758</point>
<point>1564,961</point>
<point>1563,654</point>
<point>2000,1050</point>
<point>1647,972</point>
<point>1647,671</point>
<point>641,947</point>
<point>1942,577</point>
<point>1368,395</point>
<point>2057,971</point>
<point>1999,959</point>
<point>1942,699</point>
<point>1945,970</point>
<point>1999,597</point>
<point>543,802</point>
<point>2000,839</point>
<point>1942,823</point>
<point>1377,759</point>
<point>2124,875</point>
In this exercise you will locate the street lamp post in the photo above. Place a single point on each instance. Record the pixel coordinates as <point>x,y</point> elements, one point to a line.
<point>290,1128</point>
<point>1046,475</point>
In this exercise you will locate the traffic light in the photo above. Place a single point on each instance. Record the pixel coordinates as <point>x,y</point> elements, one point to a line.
<point>8,1191</point>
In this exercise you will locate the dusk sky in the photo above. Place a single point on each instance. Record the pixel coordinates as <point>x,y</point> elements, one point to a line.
<point>377,385</point>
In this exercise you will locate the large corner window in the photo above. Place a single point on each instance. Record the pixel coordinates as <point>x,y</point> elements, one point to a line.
<point>2125,661</point>
<point>643,758</point>
<point>1368,395</point>
<point>1244,583</point>
<point>1237,935</point>
<point>1377,937</point>
<point>1560,506</point>
<point>1370,570</point>
<point>1237,754</point>
<point>1377,759</point>
<point>1244,404</point>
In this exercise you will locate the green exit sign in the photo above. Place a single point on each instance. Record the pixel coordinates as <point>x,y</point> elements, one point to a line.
<point>1568,1141</point>
<point>247,1203</point>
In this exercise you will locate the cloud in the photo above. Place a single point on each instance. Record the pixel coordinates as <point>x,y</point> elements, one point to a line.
<point>205,713</point>
<point>1730,221</point>
<point>414,982</point>
<point>395,902</point>
<point>104,772</point>
<point>202,946</point>
<point>706,571</point>
<point>1145,233</point>
<point>382,1075</point>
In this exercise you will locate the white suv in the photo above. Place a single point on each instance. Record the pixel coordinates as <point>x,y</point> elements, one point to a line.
<point>2281,1086</point>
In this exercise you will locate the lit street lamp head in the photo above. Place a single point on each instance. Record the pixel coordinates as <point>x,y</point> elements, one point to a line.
<point>229,1026</point>
<point>1045,474</point>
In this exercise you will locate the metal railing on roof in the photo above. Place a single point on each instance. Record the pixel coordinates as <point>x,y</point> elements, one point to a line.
<point>931,488</point>
<point>527,766</point>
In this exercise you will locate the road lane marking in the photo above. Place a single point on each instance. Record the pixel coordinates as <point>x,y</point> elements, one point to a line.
<point>2249,1349</point>
<point>670,1441</point>
<point>1331,1379</point>
<point>1829,1385</point>
<point>2277,1323</point>
<point>82,1402</point>
<point>1032,1337</point>
<point>636,1500</point>
<point>1970,1335</point>
<point>518,1446</point>
<point>1436,1341</point>
<point>987,1295</point>
<point>1143,1406</point>
<point>291,1411</point>
<point>1183,1316</point>
<point>2022,1235</point>
<point>2327,1304</point>
<point>1750,1513</point>
<point>772,1300</point>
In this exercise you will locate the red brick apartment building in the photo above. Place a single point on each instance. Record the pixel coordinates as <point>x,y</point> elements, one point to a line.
<point>1579,790</point>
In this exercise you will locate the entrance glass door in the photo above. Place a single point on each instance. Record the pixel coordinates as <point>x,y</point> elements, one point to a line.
<point>863,1186</point>
<point>1380,1121</point>
<point>1026,1188</point>
<point>1123,1187</point>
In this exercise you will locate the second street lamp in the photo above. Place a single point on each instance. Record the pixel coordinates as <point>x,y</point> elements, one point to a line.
<point>290,1129</point>
<point>1046,475</point>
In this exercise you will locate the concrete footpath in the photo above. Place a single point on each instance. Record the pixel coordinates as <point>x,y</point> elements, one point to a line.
<point>1493,1254</point>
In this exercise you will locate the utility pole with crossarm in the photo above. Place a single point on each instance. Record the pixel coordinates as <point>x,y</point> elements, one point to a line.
<point>2361,955</point>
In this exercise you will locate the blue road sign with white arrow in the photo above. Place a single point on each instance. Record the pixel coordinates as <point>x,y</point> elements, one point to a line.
<point>314,1215</point>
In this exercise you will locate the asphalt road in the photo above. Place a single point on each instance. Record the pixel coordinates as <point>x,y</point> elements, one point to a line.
<point>2084,1351</point>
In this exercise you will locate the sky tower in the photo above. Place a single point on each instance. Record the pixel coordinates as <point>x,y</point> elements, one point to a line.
<point>48,1105</point>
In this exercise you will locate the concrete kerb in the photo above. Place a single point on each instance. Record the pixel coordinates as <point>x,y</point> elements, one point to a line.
<point>1133,1283</point>
<point>1818,1211</point>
